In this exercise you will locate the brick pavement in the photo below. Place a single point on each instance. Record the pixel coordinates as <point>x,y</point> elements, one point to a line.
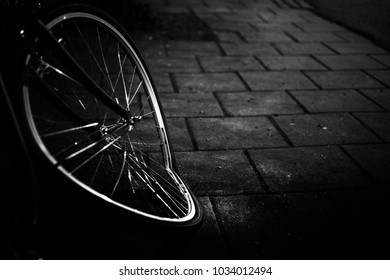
<point>281,127</point>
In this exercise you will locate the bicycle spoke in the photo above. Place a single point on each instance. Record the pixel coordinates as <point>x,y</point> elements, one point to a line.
<point>144,104</point>
<point>150,177</point>
<point>56,100</point>
<point>171,198</point>
<point>93,144</point>
<point>130,87</point>
<point>121,73</point>
<point>130,180</point>
<point>78,100</point>
<point>70,129</point>
<point>96,169</point>
<point>135,93</point>
<point>98,110</point>
<point>152,112</point>
<point>97,153</point>
<point>143,141</point>
<point>154,192</point>
<point>144,166</point>
<point>114,95</point>
<point>120,173</point>
<point>58,71</point>
<point>121,64</point>
<point>70,42</point>
<point>103,58</point>
<point>91,52</point>
<point>62,74</point>
<point>79,142</point>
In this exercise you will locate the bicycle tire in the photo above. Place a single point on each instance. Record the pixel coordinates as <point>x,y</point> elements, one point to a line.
<point>128,165</point>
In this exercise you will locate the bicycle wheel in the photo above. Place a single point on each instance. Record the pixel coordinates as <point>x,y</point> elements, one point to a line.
<point>126,163</point>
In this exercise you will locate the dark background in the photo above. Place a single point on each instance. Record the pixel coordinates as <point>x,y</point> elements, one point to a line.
<point>370,18</point>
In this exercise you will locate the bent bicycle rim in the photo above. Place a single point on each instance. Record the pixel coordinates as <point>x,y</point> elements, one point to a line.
<point>127,163</point>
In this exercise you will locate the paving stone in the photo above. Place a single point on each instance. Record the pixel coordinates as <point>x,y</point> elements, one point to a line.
<point>278,26</point>
<point>235,133</point>
<point>268,36</point>
<point>324,129</point>
<point>228,25</point>
<point>207,82</point>
<point>284,4</point>
<point>302,48</point>
<point>207,242</point>
<point>180,137</point>
<point>248,49</point>
<point>178,3</point>
<point>226,36</point>
<point>313,18</point>
<point>208,16</point>
<point>233,7</point>
<point>174,65</point>
<point>247,32</point>
<point>334,101</point>
<point>356,48</point>
<point>378,122</point>
<point>381,75</point>
<point>304,5</point>
<point>163,82</point>
<point>204,9</point>
<point>349,62</point>
<point>374,159</point>
<point>297,4</point>
<point>302,12</point>
<point>291,63</point>
<point>239,8</point>
<point>258,6</point>
<point>179,48</point>
<point>352,37</point>
<point>258,103</point>
<point>172,9</point>
<point>316,37</point>
<point>240,17</point>
<point>222,64</point>
<point>382,58</point>
<point>215,172</point>
<point>151,49</point>
<point>307,168</point>
<point>287,226</point>
<point>277,80</point>
<point>265,14</point>
<point>291,12</point>
<point>343,79</point>
<point>380,96</point>
<point>281,18</point>
<point>364,211</point>
<point>190,105</point>
<point>320,26</point>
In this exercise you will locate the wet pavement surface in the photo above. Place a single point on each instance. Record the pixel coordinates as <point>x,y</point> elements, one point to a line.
<point>280,125</point>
